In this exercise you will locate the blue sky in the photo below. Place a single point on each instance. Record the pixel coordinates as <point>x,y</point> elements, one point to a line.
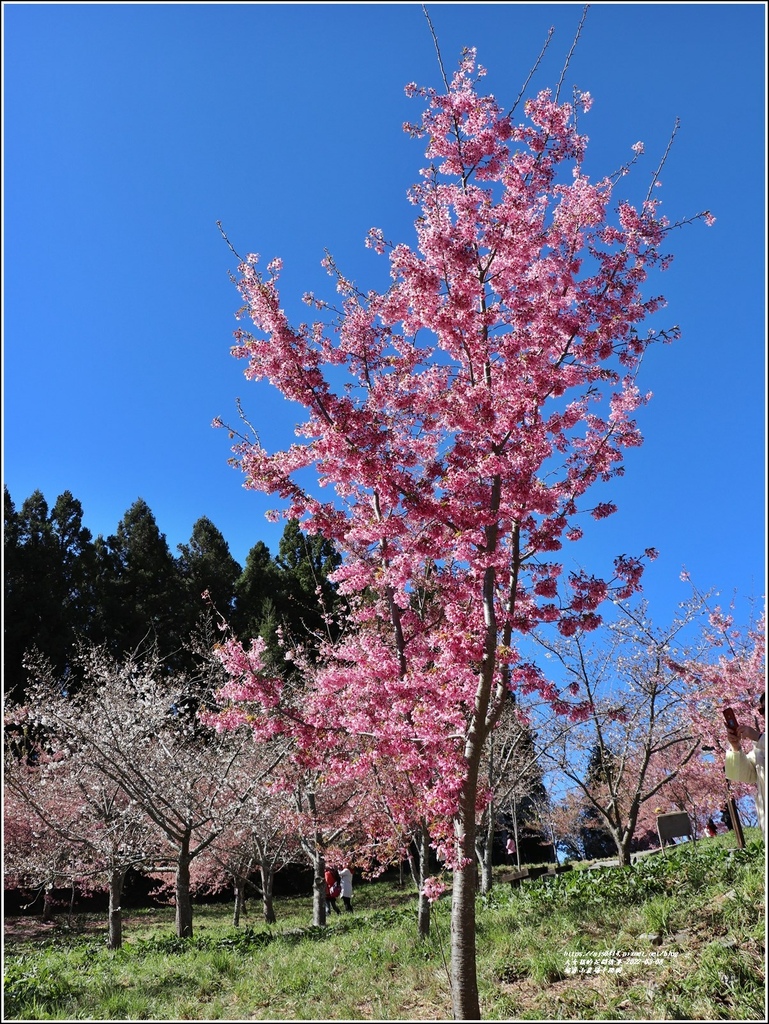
<point>131,129</point>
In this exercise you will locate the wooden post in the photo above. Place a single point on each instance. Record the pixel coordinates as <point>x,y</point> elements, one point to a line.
<point>515,831</point>
<point>734,814</point>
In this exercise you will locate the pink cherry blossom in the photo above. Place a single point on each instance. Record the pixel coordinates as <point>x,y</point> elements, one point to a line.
<point>433,889</point>
<point>456,421</point>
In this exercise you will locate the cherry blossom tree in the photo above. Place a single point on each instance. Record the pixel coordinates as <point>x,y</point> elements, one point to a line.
<point>488,389</point>
<point>138,728</point>
<point>373,810</point>
<point>512,772</point>
<point>561,818</point>
<point>35,859</point>
<point>323,816</point>
<point>393,830</point>
<point>639,734</point>
<point>88,820</point>
<point>729,670</point>
<point>263,835</point>
<point>699,787</point>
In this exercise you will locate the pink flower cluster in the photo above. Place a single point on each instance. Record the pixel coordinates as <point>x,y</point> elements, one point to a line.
<point>433,889</point>
<point>459,417</point>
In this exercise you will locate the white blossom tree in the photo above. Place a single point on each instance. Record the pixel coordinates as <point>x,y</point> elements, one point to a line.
<point>137,727</point>
<point>83,827</point>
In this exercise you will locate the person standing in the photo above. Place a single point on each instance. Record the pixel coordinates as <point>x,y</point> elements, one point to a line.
<point>742,767</point>
<point>510,848</point>
<point>333,889</point>
<point>345,879</point>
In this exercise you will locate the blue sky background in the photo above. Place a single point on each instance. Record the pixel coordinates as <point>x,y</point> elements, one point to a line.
<point>130,129</point>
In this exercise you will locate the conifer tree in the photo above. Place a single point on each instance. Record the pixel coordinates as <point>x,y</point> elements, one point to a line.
<point>140,589</point>
<point>255,591</point>
<point>49,560</point>
<point>596,837</point>
<point>207,567</point>
<point>307,595</point>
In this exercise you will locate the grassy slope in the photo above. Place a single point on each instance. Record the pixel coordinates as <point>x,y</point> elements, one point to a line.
<point>679,936</point>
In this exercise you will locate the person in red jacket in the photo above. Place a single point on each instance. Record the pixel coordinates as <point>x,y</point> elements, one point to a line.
<point>333,890</point>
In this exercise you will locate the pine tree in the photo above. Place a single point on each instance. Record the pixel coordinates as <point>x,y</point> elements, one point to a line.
<point>255,591</point>
<point>307,595</point>
<point>14,602</point>
<point>596,837</point>
<point>77,565</point>
<point>288,596</point>
<point>206,566</point>
<point>141,594</point>
<point>49,560</point>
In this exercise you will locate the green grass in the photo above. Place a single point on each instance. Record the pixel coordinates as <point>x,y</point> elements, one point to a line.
<point>679,936</point>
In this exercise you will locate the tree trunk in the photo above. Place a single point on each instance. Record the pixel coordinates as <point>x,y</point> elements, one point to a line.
<point>515,834</point>
<point>464,975</point>
<point>183,901</point>
<point>623,849</point>
<point>115,920</point>
<point>240,900</point>
<point>487,853</point>
<point>464,980</point>
<point>413,868</point>
<point>423,909</point>
<point>47,904</point>
<point>268,875</point>
<point>319,890</point>
<point>622,838</point>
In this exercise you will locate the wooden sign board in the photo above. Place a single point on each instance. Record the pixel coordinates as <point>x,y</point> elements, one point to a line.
<point>672,826</point>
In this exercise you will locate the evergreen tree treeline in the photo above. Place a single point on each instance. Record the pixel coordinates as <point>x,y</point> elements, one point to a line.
<point>128,589</point>
<point>596,837</point>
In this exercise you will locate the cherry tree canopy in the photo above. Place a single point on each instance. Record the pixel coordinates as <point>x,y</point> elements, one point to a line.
<point>461,418</point>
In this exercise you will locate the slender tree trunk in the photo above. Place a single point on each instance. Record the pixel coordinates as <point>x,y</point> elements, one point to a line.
<point>71,905</point>
<point>413,868</point>
<point>240,900</point>
<point>628,832</point>
<point>464,975</point>
<point>623,848</point>
<point>115,920</point>
<point>268,876</point>
<point>423,909</point>
<point>464,980</point>
<point>183,900</point>
<point>487,853</point>
<point>418,855</point>
<point>48,904</point>
<point>621,838</point>
<point>484,844</point>
<point>515,834</point>
<point>319,890</point>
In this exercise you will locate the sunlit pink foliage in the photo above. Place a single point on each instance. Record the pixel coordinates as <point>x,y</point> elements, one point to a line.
<point>459,462</point>
<point>730,672</point>
<point>34,856</point>
<point>735,677</point>
<point>488,389</point>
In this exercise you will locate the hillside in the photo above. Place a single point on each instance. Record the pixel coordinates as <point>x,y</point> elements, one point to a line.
<point>681,935</point>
